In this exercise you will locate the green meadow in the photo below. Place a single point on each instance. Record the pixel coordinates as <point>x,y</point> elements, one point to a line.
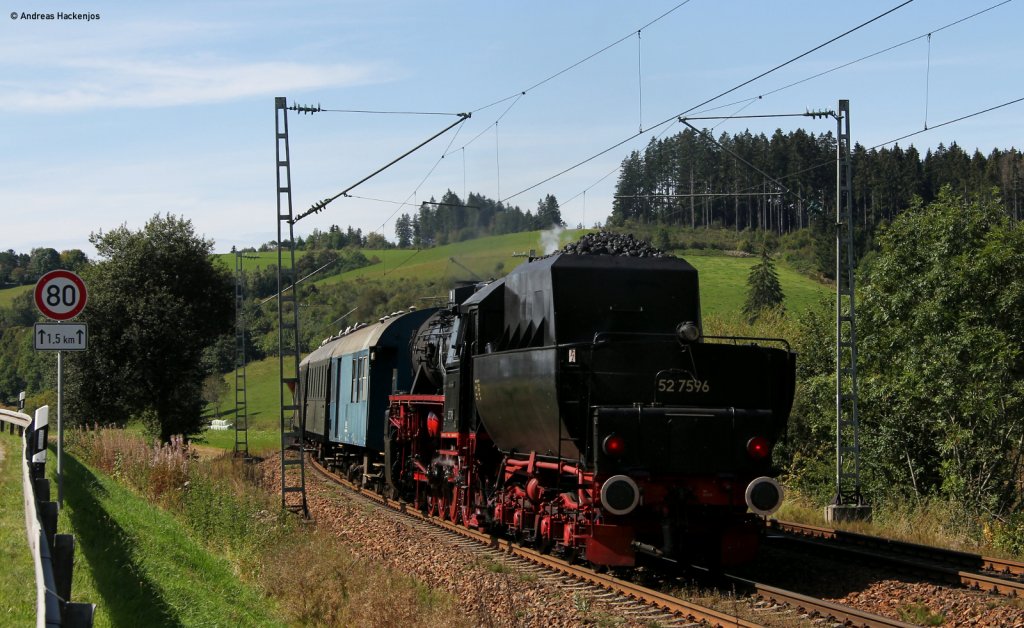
<point>7,295</point>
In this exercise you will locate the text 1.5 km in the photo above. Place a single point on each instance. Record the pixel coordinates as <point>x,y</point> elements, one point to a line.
<point>60,337</point>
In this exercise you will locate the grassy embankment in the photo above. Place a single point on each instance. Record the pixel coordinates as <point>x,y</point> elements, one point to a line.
<point>205,545</point>
<point>142,566</point>
<point>18,576</point>
<point>163,539</point>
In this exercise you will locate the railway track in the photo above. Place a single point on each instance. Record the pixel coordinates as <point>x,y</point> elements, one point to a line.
<point>974,571</point>
<point>642,603</point>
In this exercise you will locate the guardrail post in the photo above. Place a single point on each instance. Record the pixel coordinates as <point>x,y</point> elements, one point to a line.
<point>48,517</point>
<point>63,563</point>
<point>42,489</point>
<point>78,614</point>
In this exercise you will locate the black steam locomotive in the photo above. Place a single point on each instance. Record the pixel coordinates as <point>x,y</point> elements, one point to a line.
<point>574,404</point>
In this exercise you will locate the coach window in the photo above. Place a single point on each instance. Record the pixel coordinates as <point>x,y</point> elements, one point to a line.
<point>359,374</point>
<point>363,368</point>
<point>355,380</point>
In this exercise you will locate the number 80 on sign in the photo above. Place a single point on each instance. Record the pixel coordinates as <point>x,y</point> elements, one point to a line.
<point>60,295</point>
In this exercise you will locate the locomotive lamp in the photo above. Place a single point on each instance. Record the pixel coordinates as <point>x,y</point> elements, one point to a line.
<point>758,447</point>
<point>620,494</point>
<point>687,332</point>
<point>614,445</point>
<point>764,496</point>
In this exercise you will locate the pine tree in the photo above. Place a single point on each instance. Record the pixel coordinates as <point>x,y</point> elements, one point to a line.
<point>404,231</point>
<point>764,291</point>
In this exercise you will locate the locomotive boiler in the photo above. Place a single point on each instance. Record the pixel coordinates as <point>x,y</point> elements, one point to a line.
<point>574,404</point>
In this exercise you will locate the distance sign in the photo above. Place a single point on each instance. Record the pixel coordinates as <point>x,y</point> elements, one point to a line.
<point>60,337</point>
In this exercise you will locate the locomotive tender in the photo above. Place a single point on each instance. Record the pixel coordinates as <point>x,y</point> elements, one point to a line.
<point>573,404</point>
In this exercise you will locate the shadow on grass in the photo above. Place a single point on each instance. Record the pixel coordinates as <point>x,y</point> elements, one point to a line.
<point>129,597</point>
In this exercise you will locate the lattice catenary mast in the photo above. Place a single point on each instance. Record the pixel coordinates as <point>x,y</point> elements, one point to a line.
<point>241,403</point>
<point>293,470</point>
<point>848,502</point>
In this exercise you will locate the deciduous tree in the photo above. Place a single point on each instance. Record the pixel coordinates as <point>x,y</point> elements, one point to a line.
<point>943,348</point>
<point>156,300</point>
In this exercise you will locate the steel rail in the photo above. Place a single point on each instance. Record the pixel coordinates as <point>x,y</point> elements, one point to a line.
<point>963,568</point>
<point>680,608</point>
<point>814,608</point>
<point>817,609</point>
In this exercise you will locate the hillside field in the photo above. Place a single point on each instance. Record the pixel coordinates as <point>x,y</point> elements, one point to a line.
<point>7,295</point>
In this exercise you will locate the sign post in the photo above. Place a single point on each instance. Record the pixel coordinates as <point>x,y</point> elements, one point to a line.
<point>60,295</point>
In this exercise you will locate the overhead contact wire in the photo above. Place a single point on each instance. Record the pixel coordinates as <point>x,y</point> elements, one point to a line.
<point>948,122</point>
<point>640,81</point>
<point>486,128</point>
<point>801,55</point>
<point>864,58</point>
<point>584,59</point>
<point>320,205</point>
<point>497,160</point>
<point>927,80</point>
<point>712,99</point>
<point>403,113</point>
<point>424,180</point>
<point>522,93</point>
<point>751,100</point>
<point>902,137</point>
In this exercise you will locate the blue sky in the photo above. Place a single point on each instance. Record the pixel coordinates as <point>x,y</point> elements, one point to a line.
<point>169,107</point>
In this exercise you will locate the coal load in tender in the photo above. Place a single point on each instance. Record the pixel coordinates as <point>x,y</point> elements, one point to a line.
<point>605,243</point>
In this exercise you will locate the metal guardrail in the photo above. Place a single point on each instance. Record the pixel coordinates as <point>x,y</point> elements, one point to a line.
<point>15,420</point>
<point>52,553</point>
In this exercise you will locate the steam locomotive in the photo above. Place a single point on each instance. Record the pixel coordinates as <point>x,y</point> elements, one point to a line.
<point>574,404</point>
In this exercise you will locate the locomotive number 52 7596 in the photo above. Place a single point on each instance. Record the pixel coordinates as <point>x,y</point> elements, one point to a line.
<point>680,385</point>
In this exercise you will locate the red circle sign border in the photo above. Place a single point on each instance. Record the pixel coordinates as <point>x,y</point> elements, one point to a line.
<point>60,274</point>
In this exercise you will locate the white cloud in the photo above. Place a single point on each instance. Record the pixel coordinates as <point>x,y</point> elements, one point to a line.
<point>124,63</point>
<point>110,83</point>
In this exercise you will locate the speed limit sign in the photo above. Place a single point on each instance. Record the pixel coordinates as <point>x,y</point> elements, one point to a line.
<point>60,295</point>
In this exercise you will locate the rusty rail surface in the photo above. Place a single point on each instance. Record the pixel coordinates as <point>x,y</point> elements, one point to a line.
<point>955,567</point>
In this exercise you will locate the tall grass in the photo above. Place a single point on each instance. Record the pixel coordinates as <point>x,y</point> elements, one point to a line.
<point>158,471</point>
<point>17,577</point>
<point>309,573</point>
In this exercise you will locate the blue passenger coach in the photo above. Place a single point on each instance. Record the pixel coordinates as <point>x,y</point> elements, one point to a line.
<point>345,399</point>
